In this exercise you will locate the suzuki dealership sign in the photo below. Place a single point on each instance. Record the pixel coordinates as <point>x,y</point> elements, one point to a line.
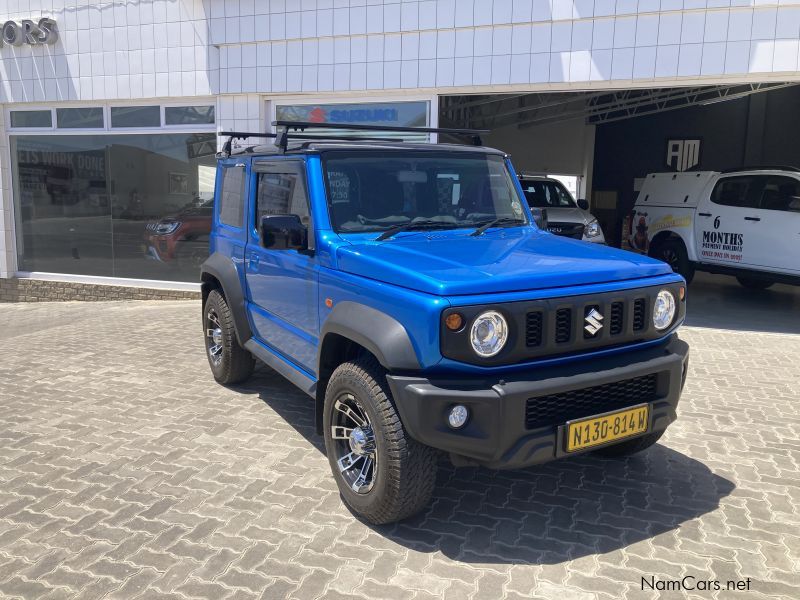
<point>27,32</point>
<point>402,114</point>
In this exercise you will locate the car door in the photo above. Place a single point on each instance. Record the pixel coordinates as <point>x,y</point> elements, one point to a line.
<point>727,229</point>
<point>282,283</point>
<point>778,225</point>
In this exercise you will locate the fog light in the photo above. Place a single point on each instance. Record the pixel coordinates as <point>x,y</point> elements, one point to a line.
<point>458,416</point>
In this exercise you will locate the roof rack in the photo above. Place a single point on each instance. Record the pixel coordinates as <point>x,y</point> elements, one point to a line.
<point>287,130</point>
<point>285,126</point>
<point>763,168</point>
<point>243,135</point>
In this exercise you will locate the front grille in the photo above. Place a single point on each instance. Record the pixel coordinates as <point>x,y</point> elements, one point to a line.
<point>553,327</point>
<point>533,329</point>
<point>639,314</point>
<point>563,325</point>
<point>557,409</point>
<point>616,319</point>
<point>571,230</point>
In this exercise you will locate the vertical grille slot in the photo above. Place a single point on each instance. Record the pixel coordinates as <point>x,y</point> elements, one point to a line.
<point>617,318</point>
<point>563,325</point>
<point>639,314</point>
<point>533,329</point>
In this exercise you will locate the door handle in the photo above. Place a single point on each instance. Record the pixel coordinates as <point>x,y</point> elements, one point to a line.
<point>252,261</point>
<point>704,214</point>
<point>752,218</point>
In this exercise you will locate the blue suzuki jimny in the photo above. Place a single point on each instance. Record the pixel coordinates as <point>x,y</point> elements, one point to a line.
<point>406,289</point>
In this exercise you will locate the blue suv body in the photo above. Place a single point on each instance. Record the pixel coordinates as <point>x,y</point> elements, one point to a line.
<point>406,289</point>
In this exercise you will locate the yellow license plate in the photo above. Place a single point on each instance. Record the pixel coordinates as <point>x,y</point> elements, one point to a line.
<point>607,428</point>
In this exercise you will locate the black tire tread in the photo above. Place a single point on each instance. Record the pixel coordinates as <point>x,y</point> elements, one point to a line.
<point>410,466</point>
<point>630,447</point>
<point>685,268</point>
<point>237,363</point>
<point>754,283</point>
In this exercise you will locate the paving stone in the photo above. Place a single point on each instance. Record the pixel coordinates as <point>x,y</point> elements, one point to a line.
<point>125,471</point>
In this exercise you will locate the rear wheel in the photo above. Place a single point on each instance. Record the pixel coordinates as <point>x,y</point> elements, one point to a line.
<point>631,446</point>
<point>673,252</point>
<point>383,475</point>
<point>229,362</point>
<point>754,283</point>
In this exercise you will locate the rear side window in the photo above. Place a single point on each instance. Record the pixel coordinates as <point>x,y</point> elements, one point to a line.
<point>737,191</point>
<point>781,193</point>
<point>231,198</point>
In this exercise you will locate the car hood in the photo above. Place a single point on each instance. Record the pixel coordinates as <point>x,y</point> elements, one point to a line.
<point>452,263</point>
<point>568,215</point>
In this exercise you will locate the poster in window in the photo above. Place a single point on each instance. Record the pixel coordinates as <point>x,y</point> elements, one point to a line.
<point>178,183</point>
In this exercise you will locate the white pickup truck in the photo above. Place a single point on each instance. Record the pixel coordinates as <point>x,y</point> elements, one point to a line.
<point>744,223</point>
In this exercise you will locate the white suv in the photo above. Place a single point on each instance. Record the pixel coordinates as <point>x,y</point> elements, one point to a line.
<point>744,223</point>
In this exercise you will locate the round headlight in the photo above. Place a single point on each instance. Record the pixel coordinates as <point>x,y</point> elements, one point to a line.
<point>663,310</point>
<point>489,333</point>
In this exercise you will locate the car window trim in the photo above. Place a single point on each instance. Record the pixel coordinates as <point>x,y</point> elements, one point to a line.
<point>288,166</point>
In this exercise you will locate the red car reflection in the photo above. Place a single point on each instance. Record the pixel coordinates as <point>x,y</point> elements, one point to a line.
<point>182,238</point>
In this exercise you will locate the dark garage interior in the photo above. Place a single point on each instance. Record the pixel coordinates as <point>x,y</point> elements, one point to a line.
<point>612,139</point>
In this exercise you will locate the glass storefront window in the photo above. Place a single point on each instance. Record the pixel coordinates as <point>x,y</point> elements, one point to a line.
<point>31,118</point>
<point>189,115</point>
<point>77,118</point>
<point>132,205</point>
<point>135,116</point>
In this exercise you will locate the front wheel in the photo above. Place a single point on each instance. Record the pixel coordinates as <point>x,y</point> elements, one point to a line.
<point>754,283</point>
<point>673,252</point>
<point>383,475</point>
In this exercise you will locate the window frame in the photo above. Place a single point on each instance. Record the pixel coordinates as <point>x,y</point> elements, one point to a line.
<point>106,106</point>
<point>292,165</point>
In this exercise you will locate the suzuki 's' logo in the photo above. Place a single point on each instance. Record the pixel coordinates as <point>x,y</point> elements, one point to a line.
<point>594,322</point>
<point>683,154</point>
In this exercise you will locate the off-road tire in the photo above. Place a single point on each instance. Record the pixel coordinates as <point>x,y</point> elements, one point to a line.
<point>406,470</point>
<point>673,252</point>
<point>633,446</point>
<point>754,283</point>
<point>236,364</point>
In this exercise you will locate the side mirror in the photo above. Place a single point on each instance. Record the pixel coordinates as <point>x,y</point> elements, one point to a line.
<point>540,217</point>
<point>283,232</point>
<point>583,204</point>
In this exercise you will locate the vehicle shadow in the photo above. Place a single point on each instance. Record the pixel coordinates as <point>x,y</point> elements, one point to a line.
<point>546,514</point>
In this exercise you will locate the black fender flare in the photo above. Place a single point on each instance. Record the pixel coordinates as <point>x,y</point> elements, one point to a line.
<point>221,267</point>
<point>383,335</point>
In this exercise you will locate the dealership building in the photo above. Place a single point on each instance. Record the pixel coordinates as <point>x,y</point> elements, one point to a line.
<point>111,109</point>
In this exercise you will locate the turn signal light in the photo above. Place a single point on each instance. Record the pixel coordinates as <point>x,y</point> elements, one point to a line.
<point>682,293</point>
<point>454,321</point>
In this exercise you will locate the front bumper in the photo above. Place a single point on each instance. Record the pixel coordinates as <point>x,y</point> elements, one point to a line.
<point>501,432</point>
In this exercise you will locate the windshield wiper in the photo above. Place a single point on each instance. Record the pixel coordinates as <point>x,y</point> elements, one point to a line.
<point>421,224</point>
<point>495,223</point>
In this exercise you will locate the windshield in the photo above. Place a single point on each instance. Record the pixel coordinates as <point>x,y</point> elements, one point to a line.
<point>546,194</point>
<point>381,190</point>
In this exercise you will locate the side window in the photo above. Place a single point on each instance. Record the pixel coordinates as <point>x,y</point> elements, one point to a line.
<point>281,194</point>
<point>738,191</point>
<point>781,193</point>
<point>231,200</point>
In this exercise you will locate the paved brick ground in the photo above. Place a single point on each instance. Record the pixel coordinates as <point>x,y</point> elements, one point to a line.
<point>125,471</point>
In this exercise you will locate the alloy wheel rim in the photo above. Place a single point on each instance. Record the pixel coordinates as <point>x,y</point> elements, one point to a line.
<point>214,337</point>
<point>671,258</point>
<point>354,444</point>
